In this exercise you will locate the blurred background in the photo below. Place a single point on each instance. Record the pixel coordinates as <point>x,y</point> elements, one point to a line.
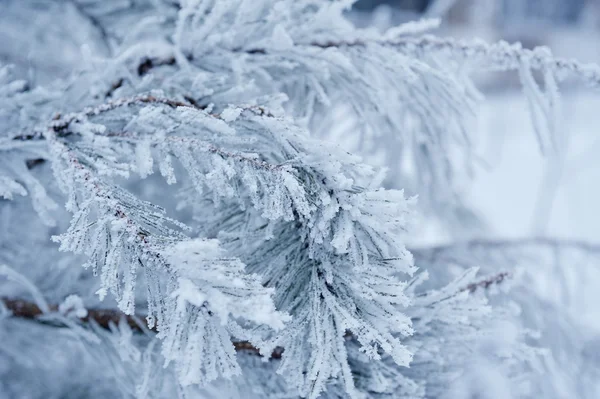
<point>517,190</point>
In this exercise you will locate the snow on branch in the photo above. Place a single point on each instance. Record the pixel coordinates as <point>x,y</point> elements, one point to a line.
<point>290,242</point>
<point>322,221</point>
<point>122,234</point>
<point>339,232</point>
<point>497,56</point>
<point>384,82</point>
<point>501,56</point>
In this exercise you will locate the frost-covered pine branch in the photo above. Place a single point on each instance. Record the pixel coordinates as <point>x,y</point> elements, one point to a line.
<point>310,196</point>
<point>189,143</point>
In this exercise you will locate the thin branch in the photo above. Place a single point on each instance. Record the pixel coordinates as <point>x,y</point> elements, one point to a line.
<point>61,122</point>
<point>504,56</point>
<point>106,317</point>
<point>60,125</point>
<point>488,282</point>
<point>510,243</point>
<point>103,317</point>
<point>498,56</point>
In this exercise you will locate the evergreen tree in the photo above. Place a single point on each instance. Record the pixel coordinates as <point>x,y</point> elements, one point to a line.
<point>177,220</point>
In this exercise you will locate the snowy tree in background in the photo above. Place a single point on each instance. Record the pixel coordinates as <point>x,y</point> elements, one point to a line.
<point>178,220</point>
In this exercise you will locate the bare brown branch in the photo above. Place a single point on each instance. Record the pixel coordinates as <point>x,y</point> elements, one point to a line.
<point>103,317</point>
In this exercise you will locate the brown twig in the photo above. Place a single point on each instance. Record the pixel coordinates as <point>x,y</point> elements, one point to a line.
<point>488,282</point>
<point>105,318</point>
<point>61,122</point>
